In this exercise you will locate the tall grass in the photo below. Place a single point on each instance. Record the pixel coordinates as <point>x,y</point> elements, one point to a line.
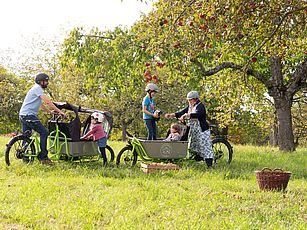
<point>89,196</point>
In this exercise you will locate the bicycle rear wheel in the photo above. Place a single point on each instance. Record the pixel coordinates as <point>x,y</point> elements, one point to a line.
<point>222,151</point>
<point>19,149</point>
<point>110,153</point>
<point>127,156</point>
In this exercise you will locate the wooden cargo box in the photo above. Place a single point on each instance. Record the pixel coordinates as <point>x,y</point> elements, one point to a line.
<point>155,167</point>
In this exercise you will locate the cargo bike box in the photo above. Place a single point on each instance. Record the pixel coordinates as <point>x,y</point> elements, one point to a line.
<point>69,144</point>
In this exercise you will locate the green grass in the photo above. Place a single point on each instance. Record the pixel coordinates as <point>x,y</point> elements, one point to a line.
<point>88,196</point>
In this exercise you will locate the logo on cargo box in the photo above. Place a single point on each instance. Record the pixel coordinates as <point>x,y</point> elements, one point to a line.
<point>166,150</point>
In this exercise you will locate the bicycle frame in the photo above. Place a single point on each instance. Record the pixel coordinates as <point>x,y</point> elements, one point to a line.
<point>137,146</point>
<point>55,143</point>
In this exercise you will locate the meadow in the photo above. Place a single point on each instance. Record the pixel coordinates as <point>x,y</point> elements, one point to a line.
<point>89,196</point>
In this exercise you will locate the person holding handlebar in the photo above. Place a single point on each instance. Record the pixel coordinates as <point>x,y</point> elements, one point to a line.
<point>29,110</point>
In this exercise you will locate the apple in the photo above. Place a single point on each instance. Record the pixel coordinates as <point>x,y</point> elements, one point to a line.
<point>147,73</point>
<point>177,44</point>
<point>201,15</point>
<point>180,23</point>
<point>147,64</point>
<point>163,22</point>
<point>254,59</point>
<point>209,45</point>
<point>212,18</point>
<point>154,77</point>
<point>203,27</point>
<point>160,64</point>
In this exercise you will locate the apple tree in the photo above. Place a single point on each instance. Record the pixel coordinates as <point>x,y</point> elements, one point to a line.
<point>259,46</point>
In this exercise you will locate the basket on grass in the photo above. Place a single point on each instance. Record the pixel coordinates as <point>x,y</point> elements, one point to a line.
<point>275,179</point>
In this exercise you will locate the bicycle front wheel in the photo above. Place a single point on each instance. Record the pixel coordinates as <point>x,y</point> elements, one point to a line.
<point>222,151</point>
<point>19,149</point>
<point>127,156</point>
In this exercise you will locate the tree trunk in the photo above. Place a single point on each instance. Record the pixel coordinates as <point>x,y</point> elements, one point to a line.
<point>124,131</point>
<point>283,103</point>
<point>284,118</point>
<point>274,132</point>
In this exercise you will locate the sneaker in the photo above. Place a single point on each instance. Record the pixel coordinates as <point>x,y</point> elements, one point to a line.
<point>209,162</point>
<point>47,162</point>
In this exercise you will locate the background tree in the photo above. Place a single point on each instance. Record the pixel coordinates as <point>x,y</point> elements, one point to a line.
<point>110,70</point>
<point>11,98</point>
<point>98,66</point>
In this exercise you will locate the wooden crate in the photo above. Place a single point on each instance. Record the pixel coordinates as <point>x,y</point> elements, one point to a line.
<point>155,167</point>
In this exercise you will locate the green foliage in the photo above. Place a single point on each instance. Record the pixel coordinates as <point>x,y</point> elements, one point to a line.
<point>11,97</point>
<point>89,196</point>
<point>194,37</point>
<point>172,47</point>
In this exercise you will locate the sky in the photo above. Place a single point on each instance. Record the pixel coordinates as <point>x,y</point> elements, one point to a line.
<point>24,21</point>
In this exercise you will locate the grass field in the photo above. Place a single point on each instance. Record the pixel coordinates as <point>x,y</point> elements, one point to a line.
<point>88,196</point>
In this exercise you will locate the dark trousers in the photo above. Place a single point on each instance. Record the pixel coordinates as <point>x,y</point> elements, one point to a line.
<point>102,151</point>
<point>151,128</point>
<point>31,122</point>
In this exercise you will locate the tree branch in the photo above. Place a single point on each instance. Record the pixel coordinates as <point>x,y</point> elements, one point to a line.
<point>298,80</point>
<point>97,36</point>
<point>276,29</point>
<point>230,65</point>
<point>180,15</point>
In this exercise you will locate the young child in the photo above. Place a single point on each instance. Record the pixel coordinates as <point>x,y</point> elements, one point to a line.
<point>98,134</point>
<point>175,133</point>
<point>149,115</point>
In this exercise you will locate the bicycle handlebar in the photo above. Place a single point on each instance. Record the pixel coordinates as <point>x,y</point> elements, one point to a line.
<point>129,134</point>
<point>56,117</point>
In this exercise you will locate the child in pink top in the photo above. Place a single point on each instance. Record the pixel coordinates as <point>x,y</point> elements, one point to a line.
<point>98,134</point>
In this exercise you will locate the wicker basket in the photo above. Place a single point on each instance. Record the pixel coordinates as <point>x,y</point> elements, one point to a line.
<point>275,179</point>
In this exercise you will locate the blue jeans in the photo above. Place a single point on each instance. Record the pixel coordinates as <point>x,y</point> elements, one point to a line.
<point>152,129</point>
<point>102,142</point>
<point>36,125</point>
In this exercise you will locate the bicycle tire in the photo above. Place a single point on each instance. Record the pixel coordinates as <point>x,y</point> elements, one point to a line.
<point>17,149</point>
<point>222,150</point>
<point>128,156</point>
<point>110,153</point>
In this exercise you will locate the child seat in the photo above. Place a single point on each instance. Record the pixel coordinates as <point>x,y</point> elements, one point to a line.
<point>184,132</point>
<point>71,129</point>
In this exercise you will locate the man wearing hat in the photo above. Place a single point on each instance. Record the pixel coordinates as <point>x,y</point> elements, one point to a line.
<point>29,110</point>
